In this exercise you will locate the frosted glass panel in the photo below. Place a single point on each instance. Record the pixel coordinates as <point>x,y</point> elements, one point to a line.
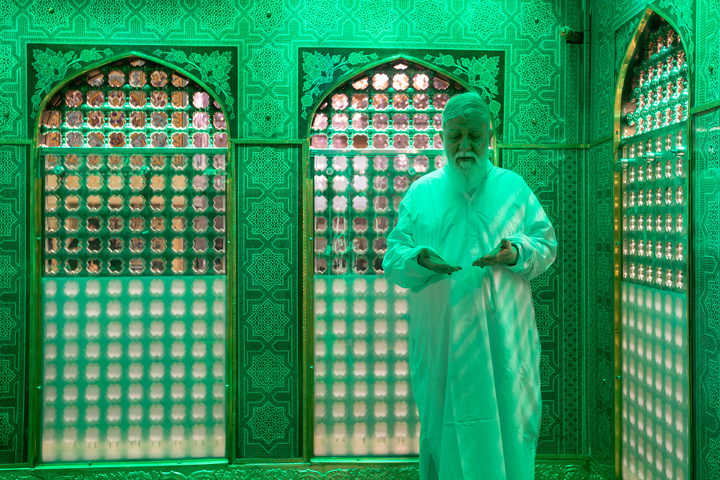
<point>133,368</point>
<point>655,412</point>
<point>363,403</point>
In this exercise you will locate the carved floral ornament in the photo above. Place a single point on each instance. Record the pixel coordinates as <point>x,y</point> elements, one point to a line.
<point>321,70</point>
<point>52,67</point>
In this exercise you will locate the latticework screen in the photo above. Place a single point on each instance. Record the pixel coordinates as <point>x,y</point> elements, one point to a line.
<point>370,140</point>
<point>134,158</point>
<point>134,104</point>
<point>654,190</point>
<point>136,214</point>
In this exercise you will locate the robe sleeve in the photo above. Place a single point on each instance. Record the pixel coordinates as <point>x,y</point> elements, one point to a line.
<point>536,242</point>
<point>400,261</point>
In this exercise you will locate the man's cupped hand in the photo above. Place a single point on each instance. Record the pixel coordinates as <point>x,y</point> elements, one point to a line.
<point>433,261</point>
<point>506,252</point>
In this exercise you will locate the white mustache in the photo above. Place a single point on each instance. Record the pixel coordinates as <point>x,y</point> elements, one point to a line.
<point>465,157</point>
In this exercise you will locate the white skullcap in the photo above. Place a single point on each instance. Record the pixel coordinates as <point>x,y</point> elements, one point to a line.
<point>465,105</point>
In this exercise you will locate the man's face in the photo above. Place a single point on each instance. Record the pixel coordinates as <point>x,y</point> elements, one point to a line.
<point>465,140</point>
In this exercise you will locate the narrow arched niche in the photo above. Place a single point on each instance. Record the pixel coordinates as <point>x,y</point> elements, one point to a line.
<point>371,135</point>
<point>133,157</point>
<point>652,218</point>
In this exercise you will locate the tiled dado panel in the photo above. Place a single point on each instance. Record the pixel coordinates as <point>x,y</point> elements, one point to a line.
<point>600,333</point>
<point>14,308</point>
<point>706,242</point>
<point>269,276</point>
<point>553,176</point>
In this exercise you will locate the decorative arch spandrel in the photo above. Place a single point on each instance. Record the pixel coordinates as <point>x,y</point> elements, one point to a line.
<point>214,68</point>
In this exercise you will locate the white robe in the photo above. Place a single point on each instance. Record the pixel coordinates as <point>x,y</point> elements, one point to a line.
<point>474,346</point>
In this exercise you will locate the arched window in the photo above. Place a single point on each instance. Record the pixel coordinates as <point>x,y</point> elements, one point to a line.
<point>371,137</point>
<point>133,157</point>
<point>653,229</point>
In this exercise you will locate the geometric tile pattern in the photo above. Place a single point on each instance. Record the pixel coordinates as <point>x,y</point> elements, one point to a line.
<point>707,67</point>
<point>597,202</point>
<point>597,215</point>
<point>13,304</point>
<point>268,308</point>
<point>706,327</point>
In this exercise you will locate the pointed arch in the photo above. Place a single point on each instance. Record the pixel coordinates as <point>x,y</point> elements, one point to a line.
<point>119,57</point>
<point>458,85</point>
<point>391,60</point>
<point>648,23</point>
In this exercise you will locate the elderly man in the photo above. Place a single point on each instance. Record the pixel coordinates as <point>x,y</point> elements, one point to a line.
<point>469,239</point>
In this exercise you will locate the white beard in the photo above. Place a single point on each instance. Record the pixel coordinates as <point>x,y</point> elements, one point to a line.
<point>470,175</point>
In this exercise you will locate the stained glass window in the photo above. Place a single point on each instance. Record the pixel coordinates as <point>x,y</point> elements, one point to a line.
<point>654,231</point>
<point>134,161</point>
<point>370,139</point>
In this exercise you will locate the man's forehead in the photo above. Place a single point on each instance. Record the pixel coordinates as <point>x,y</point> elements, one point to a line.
<point>467,121</point>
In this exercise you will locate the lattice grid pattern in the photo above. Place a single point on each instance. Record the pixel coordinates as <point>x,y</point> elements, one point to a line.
<point>655,411</point>
<point>133,368</point>
<point>133,103</point>
<point>659,96</point>
<point>356,204</point>
<point>134,214</point>
<point>396,106</point>
<point>654,211</point>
